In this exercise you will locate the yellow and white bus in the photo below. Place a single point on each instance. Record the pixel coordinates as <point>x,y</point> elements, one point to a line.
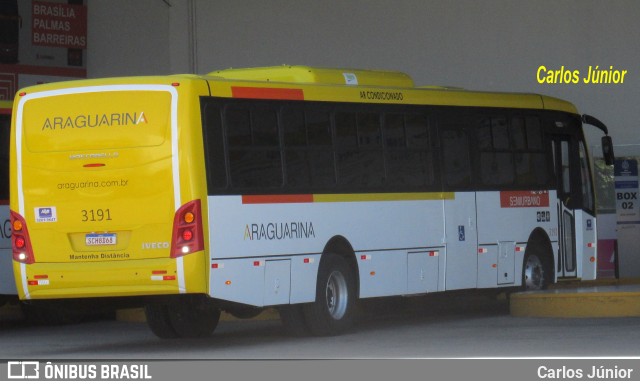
<point>298,188</point>
<point>7,282</point>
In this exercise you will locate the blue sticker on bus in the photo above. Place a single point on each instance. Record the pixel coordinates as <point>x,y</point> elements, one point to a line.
<point>46,214</point>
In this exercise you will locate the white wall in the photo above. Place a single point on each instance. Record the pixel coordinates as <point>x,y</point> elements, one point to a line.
<point>489,45</point>
<point>127,37</point>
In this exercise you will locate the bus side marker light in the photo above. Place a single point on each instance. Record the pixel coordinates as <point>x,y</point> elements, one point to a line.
<point>590,245</point>
<point>228,282</point>
<point>217,265</point>
<point>162,278</point>
<point>433,253</point>
<point>519,249</point>
<point>38,282</point>
<point>494,266</point>
<point>592,259</point>
<point>309,260</point>
<point>257,263</point>
<point>159,272</point>
<point>483,250</point>
<point>365,257</point>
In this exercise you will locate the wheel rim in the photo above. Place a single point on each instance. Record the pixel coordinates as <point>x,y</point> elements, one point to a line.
<point>534,273</point>
<point>337,295</point>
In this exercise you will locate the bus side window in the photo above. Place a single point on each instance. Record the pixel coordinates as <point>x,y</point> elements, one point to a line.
<point>214,148</point>
<point>496,159</point>
<point>456,167</point>
<point>530,158</point>
<point>308,149</point>
<point>371,159</point>
<point>359,150</point>
<point>254,150</point>
<point>408,151</point>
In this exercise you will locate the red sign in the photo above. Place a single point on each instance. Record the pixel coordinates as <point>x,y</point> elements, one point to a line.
<point>59,25</point>
<point>524,199</point>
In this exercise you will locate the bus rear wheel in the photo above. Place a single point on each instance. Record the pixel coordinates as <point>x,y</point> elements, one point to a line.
<point>158,321</point>
<point>185,317</point>
<point>334,309</point>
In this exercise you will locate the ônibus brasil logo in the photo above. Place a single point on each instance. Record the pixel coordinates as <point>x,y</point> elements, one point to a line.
<point>94,120</point>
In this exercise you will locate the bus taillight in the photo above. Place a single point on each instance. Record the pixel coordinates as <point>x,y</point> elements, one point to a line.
<point>187,234</point>
<point>20,242</point>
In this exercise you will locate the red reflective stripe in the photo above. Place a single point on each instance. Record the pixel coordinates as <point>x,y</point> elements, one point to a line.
<point>277,199</point>
<point>267,93</point>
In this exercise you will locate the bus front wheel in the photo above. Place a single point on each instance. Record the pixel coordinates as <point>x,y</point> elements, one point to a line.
<point>535,270</point>
<point>334,308</point>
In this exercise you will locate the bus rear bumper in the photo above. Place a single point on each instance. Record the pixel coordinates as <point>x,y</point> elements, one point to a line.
<point>99,279</point>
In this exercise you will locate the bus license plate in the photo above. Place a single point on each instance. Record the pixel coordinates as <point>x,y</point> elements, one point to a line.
<point>100,239</point>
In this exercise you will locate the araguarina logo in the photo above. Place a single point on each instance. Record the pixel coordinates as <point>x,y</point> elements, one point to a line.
<point>94,121</point>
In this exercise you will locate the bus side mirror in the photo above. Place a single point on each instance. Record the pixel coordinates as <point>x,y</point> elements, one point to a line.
<point>607,150</point>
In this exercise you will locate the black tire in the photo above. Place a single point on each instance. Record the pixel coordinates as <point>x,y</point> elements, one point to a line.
<point>334,309</point>
<point>44,314</point>
<point>536,268</point>
<point>293,320</point>
<point>159,322</point>
<point>193,317</point>
<point>244,312</point>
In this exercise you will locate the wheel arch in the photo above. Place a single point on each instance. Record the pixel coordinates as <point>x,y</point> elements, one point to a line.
<point>539,239</point>
<point>339,245</point>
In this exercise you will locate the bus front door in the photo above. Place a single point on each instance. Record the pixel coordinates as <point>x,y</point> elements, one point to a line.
<point>565,156</point>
